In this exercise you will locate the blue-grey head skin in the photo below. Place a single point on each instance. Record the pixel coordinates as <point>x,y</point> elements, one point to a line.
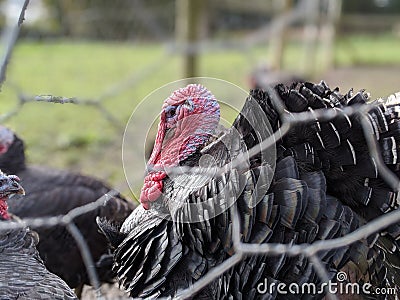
<point>9,185</point>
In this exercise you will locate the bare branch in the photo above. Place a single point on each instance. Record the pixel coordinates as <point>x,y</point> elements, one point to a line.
<point>21,18</point>
<point>66,100</point>
<point>52,99</point>
<point>11,36</point>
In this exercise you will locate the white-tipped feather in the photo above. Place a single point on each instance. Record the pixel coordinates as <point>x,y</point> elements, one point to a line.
<point>394,152</point>
<point>393,99</point>
<point>353,153</point>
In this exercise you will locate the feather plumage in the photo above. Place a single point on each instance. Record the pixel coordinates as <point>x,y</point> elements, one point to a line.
<point>23,274</point>
<point>308,196</point>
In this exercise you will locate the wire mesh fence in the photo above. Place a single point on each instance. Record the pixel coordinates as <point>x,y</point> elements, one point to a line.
<point>241,250</point>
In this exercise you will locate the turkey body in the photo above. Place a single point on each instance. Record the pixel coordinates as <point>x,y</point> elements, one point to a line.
<point>23,274</point>
<point>291,193</point>
<point>52,192</point>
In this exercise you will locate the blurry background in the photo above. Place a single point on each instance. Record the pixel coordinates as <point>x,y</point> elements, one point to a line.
<point>111,54</point>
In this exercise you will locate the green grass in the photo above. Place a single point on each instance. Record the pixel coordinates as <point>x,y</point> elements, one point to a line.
<point>79,137</point>
<point>382,49</point>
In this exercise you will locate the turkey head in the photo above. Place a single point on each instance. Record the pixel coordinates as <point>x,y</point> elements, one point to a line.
<point>12,152</point>
<point>188,119</point>
<point>9,185</point>
<point>6,139</point>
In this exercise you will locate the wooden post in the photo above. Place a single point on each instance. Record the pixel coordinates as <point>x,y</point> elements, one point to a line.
<point>280,36</point>
<point>188,25</point>
<point>327,34</point>
<point>311,37</point>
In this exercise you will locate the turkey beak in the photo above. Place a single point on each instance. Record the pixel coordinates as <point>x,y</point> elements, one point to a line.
<point>13,187</point>
<point>21,190</point>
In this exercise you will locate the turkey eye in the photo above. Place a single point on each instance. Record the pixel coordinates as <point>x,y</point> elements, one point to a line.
<point>170,112</point>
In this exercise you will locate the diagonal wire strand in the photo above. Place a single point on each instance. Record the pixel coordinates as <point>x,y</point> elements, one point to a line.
<point>86,256</point>
<point>62,219</point>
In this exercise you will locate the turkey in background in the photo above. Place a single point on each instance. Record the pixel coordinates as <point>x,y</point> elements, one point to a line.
<point>324,186</point>
<point>263,76</point>
<point>22,272</point>
<point>52,192</point>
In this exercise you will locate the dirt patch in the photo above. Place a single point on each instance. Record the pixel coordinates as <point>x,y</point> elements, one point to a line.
<point>379,81</point>
<point>109,291</point>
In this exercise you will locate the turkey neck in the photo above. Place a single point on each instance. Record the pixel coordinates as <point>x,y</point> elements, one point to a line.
<point>13,161</point>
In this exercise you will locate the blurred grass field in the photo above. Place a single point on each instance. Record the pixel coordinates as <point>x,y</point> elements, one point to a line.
<point>78,137</point>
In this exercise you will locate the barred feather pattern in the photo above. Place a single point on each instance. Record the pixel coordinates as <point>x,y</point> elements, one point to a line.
<point>338,147</point>
<point>23,274</point>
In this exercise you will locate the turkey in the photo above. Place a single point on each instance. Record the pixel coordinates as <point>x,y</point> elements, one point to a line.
<point>22,272</point>
<point>263,76</point>
<point>55,192</point>
<point>301,190</point>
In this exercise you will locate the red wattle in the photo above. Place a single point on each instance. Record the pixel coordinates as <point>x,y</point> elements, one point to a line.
<point>152,188</point>
<point>4,210</point>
